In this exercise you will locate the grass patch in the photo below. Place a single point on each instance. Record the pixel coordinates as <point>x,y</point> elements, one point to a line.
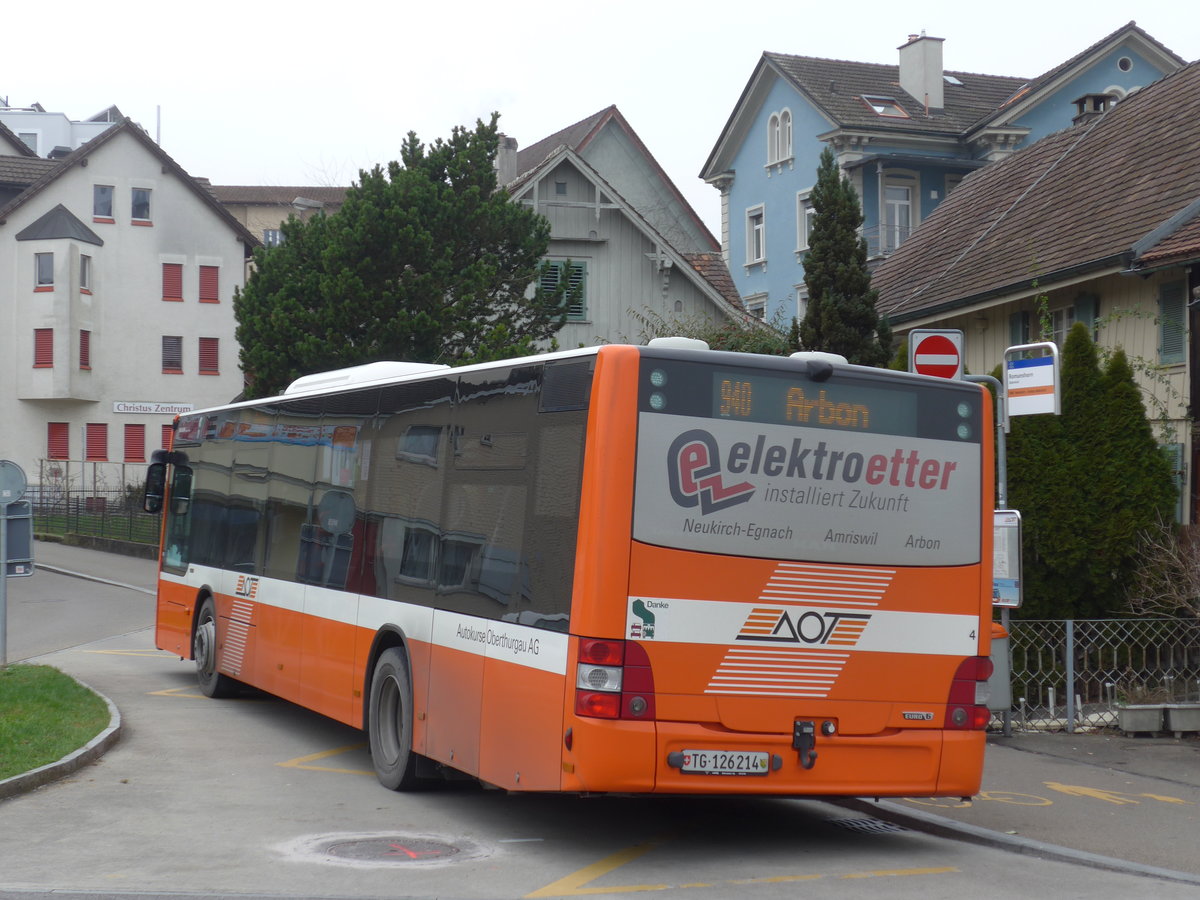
<point>44,715</point>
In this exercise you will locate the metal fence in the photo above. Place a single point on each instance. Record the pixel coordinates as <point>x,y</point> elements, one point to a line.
<point>1071,675</point>
<point>96,499</point>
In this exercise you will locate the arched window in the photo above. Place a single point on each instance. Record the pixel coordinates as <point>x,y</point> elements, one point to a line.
<point>779,137</point>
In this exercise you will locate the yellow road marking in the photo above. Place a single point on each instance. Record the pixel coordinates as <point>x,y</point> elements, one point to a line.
<point>188,693</point>
<point>578,884</point>
<point>574,884</point>
<point>1117,797</point>
<point>893,873</point>
<point>302,762</point>
<point>176,692</point>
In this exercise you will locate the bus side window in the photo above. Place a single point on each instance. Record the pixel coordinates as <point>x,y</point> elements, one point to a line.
<point>181,491</point>
<point>176,543</point>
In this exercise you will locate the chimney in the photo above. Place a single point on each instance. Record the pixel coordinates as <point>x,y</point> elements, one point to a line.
<point>921,71</point>
<point>506,161</point>
<point>1091,106</point>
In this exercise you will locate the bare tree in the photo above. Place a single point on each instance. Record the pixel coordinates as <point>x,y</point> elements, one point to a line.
<point>1167,579</point>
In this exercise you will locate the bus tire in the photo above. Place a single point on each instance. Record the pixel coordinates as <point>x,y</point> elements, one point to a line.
<point>390,722</point>
<point>204,651</point>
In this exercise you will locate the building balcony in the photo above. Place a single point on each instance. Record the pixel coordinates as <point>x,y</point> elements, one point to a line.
<point>884,240</point>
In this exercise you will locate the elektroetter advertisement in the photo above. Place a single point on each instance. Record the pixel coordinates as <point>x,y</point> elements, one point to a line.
<point>828,493</point>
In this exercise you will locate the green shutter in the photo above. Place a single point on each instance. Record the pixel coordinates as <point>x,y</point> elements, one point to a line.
<point>577,311</point>
<point>1087,307</point>
<point>1172,328</point>
<point>1018,328</point>
<point>1174,455</point>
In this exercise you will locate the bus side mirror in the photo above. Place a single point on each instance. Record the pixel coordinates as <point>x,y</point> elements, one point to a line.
<point>156,482</point>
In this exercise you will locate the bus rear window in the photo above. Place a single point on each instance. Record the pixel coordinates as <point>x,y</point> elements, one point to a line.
<point>765,462</point>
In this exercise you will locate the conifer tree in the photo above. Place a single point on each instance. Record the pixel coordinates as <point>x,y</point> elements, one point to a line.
<point>1091,486</point>
<point>841,316</point>
<point>1136,491</point>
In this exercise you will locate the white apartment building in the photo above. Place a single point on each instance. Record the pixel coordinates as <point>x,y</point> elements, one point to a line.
<point>117,275</point>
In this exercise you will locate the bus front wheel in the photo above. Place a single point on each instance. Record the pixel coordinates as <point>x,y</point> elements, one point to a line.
<point>204,651</point>
<point>390,722</point>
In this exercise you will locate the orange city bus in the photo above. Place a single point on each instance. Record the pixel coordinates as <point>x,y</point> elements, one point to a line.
<point>657,569</point>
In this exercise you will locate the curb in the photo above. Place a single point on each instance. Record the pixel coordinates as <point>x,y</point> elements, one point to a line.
<point>88,577</point>
<point>72,762</point>
<point>940,826</point>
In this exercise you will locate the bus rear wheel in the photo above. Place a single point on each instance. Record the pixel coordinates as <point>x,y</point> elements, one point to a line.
<point>390,722</point>
<point>204,651</point>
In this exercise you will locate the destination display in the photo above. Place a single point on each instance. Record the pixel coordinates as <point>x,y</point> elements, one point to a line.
<point>786,401</point>
<point>855,403</point>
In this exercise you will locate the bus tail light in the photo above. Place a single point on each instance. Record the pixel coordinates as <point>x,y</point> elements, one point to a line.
<point>613,680</point>
<point>967,706</point>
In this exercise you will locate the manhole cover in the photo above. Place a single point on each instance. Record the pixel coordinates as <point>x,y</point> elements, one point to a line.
<point>372,850</point>
<point>392,849</point>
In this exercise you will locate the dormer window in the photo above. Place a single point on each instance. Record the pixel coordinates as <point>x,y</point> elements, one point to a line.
<point>885,106</point>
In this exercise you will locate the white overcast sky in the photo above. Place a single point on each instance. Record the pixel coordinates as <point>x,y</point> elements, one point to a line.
<point>307,93</point>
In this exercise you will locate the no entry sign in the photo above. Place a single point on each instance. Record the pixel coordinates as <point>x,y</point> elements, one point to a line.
<point>937,353</point>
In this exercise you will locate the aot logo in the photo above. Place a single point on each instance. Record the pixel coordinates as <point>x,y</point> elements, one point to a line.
<point>694,474</point>
<point>247,586</point>
<point>830,629</point>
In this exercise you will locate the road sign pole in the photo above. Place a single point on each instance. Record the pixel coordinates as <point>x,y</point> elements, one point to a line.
<point>12,489</point>
<point>4,586</point>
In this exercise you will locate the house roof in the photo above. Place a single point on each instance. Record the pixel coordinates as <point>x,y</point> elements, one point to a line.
<point>709,268</point>
<point>712,268</point>
<point>577,137</point>
<point>55,168</point>
<point>837,87</point>
<point>267,195</point>
<point>1149,44</point>
<point>22,171</point>
<point>60,222</point>
<point>574,137</point>
<point>1181,246</point>
<point>1078,200</point>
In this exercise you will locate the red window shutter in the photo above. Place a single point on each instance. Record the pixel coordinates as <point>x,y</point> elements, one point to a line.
<point>172,278</point>
<point>85,349</point>
<point>43,348</point>
<point>58,440</point>
<point>167,434</point>
<point>96,436</point>
<point>172,354</point>
<point>209,356</point>
<point>135,443</point>
<point>209,284</point>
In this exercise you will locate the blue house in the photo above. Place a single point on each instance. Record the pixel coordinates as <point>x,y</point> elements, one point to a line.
<point>905,134</point>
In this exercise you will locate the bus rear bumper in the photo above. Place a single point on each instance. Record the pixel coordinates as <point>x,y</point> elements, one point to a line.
<point>894,763</point>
